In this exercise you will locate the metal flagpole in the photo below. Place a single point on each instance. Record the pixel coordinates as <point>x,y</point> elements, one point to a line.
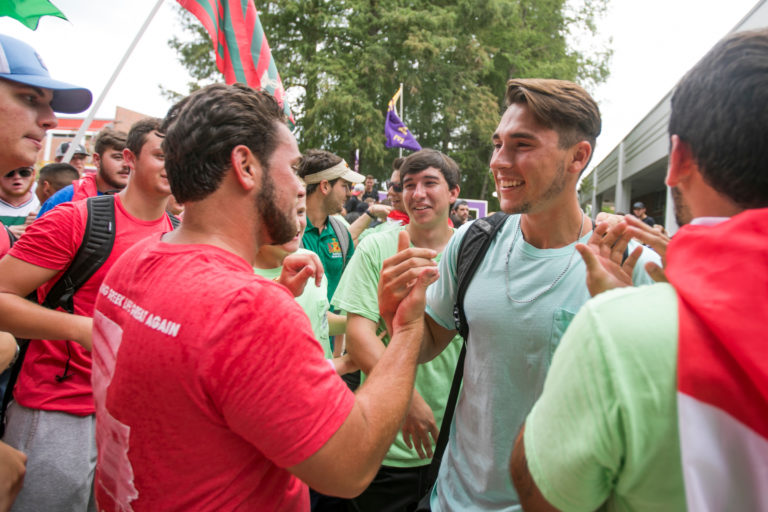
<point>100,100</point>
<point>402,93</point>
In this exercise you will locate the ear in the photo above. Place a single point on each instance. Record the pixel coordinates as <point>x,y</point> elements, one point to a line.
<point>246,167</point>
<point>325,187</point>
<point>454,195</point>
<point>129,158</point>
<point>681,162</point>
<point>97,160</point>
<point>581,153</point>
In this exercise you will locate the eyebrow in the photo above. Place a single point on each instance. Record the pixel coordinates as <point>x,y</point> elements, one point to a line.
<point>516,135</point>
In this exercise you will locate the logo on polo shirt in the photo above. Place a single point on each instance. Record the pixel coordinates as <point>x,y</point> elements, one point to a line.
<point>334,249</point>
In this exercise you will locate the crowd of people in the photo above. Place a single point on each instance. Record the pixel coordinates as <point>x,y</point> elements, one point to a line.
<point>217,320</point>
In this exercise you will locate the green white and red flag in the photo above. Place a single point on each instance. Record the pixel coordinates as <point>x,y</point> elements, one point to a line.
<point>242,51</point>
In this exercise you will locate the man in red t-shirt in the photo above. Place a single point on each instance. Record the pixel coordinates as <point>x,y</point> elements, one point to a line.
<point>53,392</point>
<point>221,398</point>
<point>111,176</point>
<point>28,99</point>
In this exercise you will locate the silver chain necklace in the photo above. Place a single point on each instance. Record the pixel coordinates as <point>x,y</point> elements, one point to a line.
<point>518,232</point>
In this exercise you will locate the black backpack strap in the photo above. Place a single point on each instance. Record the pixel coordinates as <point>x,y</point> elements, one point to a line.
<point>94,250</point>
<point>342,235</point>
<point>11,237</point>
<point>175,221</point>
<point>472,250</point>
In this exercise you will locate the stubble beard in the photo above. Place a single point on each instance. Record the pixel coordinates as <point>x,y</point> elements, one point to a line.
<point>555,189</point>
<point>281,226</point>
<point>682,211</point>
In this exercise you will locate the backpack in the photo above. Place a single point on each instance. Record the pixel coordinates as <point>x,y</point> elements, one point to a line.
<point>98,240</point>
<point>342,235</point>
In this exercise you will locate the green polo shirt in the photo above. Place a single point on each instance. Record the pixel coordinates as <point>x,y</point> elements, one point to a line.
<point>326,246</point>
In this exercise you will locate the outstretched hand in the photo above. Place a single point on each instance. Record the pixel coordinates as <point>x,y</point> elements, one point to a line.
<point>403,283</point>
<point>298,269</point>
<point>603,254</point>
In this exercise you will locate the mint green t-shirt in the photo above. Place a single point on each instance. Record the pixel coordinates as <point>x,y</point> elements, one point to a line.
<point>313,301</point>
<point>605,427</point>
<point>357,293</point>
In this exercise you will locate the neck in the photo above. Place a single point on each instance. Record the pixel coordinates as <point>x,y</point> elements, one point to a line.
<point>143,205</point>
<point>430,237</point>
<point>316,211</point>
<point>226,219</point>
<point>17,200</point>
<point>556,227</point>
<point>269,257</point>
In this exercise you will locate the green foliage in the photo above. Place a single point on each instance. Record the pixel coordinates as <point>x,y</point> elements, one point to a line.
<point>344,59</point>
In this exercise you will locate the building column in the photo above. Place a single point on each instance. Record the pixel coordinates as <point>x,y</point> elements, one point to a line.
<point>595,211</point>
<point>670,224</point>
<point>621,201</point>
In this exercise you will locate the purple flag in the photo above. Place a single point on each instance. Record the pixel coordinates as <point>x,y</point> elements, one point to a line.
<point>398,135</point>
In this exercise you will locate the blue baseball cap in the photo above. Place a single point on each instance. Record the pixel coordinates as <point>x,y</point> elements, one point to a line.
<point>20,63</point>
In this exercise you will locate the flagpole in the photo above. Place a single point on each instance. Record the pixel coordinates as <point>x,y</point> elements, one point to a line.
<point>87,121</point>
<point>401,111</point>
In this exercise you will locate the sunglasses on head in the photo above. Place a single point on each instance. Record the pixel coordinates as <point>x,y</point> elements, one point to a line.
<point>397,187</point>
<point>24,173</point>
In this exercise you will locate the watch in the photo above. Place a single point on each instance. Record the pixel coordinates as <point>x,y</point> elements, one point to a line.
<point>370,214</point>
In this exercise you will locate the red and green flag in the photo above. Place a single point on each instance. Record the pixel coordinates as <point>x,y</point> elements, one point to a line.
<point>29,12</point>
<point>242,51</point>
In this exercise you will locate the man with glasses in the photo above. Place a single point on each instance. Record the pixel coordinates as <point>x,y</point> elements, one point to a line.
<point>17,202</point>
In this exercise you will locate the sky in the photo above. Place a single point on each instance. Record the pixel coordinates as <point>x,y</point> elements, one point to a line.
<point>654,43</point>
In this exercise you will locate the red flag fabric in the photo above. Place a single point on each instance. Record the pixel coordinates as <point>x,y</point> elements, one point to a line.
<point>720,274</point>
<point>242,52</point>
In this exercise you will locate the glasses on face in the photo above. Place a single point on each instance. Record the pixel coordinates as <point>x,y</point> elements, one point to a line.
<point>397,187</point>
<point>24,173</point>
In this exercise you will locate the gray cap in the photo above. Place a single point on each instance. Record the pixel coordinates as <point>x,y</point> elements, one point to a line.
<point>64,146</point>
<point>638,205</point>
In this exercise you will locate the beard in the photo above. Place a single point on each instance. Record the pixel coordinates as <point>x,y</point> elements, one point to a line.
<point>111,182</point>
<point>281,225</point>
<point>682,211</point>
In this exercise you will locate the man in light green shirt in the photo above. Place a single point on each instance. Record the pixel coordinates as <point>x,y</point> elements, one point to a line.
<point>430,183</point>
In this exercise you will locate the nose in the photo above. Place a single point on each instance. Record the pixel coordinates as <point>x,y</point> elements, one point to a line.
<point>500,159</point>
<point>46,119</point>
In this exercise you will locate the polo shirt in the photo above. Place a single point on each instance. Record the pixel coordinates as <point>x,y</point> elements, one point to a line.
<point>326,245</point>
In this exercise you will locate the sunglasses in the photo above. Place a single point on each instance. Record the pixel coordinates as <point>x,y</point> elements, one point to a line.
<point>397,187</point>
<point>24,173</point>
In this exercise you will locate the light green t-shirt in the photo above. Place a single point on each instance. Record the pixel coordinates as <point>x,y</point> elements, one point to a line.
<point>313,301</point>
<point>357,293</point>
<point>605,427</point>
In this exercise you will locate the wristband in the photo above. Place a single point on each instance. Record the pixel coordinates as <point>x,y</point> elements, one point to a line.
<point>370,214</point>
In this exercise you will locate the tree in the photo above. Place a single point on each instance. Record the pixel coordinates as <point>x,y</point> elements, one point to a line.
<point>342,61</point>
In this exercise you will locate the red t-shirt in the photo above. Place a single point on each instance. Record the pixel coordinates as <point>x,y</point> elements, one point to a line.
<point>52,242</point>
<point>208,384</point>
<point>84,188</point>
<point>5,241</point>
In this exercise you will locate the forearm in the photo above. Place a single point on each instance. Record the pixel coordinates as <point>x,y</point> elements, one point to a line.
<point>436,338</point>
<point>384,397</point>
<point>376,417</point>
<point>362,343</point>
<point>360,225</point>
<point>337,324</point>
<point>25,319</point>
